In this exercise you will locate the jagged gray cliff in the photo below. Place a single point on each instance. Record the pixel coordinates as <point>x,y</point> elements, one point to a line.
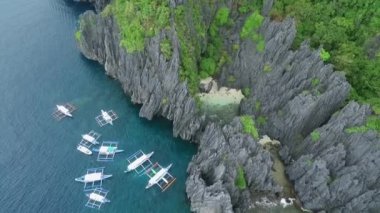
<point>294,91</point>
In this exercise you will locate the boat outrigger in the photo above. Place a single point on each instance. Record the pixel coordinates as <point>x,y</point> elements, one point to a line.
<point>106,117</point>
<point>160,176</point>
<point>63,111</point>
<point>91,137</point>
<point>139,162</point>
<point>97,198</point>
<point>93,178</point>
<point>107,151</point>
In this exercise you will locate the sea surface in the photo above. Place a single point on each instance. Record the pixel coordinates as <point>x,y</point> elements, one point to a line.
<point>40,66</point>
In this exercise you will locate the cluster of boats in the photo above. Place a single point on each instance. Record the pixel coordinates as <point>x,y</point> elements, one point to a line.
<point>138,162</point>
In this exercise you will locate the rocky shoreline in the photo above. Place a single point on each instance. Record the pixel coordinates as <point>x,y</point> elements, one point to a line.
<point>338,172</point>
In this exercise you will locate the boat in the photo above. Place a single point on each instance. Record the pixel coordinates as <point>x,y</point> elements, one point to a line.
<point>91,137</point>
<point>84,150</point>
<point>158,176</point>
<point>64,110</point>
<point>92,177</point>
<point>139,161</point>
<point>97,197</point>
<point>107,150</point>
<point>106,117</point>
<point>88,138</point>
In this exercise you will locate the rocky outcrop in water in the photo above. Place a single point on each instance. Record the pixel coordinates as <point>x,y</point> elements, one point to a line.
<point>294,92</point>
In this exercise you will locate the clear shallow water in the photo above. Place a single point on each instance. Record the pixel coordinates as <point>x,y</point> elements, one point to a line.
<point>41,66</point>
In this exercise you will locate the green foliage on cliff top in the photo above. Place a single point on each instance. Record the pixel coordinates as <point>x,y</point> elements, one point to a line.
<point>315,136</point>
<point>347,29</point>
<point>372,123</point>
<point>222,15</point>
<point>166,48</point>
<point>240,182</point>
<point>140,19</point>
<point>325,56</point>
<point>198,62</point>
<point>250,28</point>
<point>249,126</point>
<point>251,24</point>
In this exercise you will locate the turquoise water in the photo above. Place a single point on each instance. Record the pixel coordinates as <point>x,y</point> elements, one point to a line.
<point>40,66</point>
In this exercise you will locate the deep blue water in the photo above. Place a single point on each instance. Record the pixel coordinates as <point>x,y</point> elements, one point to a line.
<point>40,66</point>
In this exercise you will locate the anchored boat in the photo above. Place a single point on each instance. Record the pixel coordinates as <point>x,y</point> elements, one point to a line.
<point>160,176</point>
<point>107,151</point>
<point>97,198</point>
<point>139,159</point>
<point>106,117</point>
<point>63,111</point>
<point>91,137</point>
<point>84,149</point>
<point>93,178</point>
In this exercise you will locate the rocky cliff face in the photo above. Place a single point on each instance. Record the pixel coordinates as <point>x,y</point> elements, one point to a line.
<point>293,91</point>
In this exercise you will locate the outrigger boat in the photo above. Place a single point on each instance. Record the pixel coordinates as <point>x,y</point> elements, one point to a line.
<point>106,117</point>
<point>93,179</point>
<point>160,176</point>
<point>63,111</point>
<point>107,151</point>
<point>97,198</point>
<point>91,137</point>
<point>139,159</point>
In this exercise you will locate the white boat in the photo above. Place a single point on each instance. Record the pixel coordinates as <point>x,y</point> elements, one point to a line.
<point>92,177</point>
<point>158,176</point>
<point>97,197</point>
<point>88,138</point>
<point>84,150</point>
<point>64,110</point>
<point>139,161</point>
<point>107,150</point>
<point>107,117</point>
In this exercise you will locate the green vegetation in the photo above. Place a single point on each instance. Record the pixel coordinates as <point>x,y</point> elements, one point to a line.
<point>245,6</point>
<point>222,15</point>
<point>246,91</point>
<point>249,126</point>
<point>166,48</point>
<point>240,182</point>
<point>261,120</point>
<point>198,62</point>
<point>372,123</point>
<point>325,56</point>
<point>107,11</point>
<point>249,30</point>
<point>347,30</point>
<point>138,20</point>
<point>315,136</point>
<point>190,49</point>
<point>267,68</point>
<point>164,101</point>
<point>251,25</point>
<point>315,82</point>
<point>78,35</point>
<point>257,106</point>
